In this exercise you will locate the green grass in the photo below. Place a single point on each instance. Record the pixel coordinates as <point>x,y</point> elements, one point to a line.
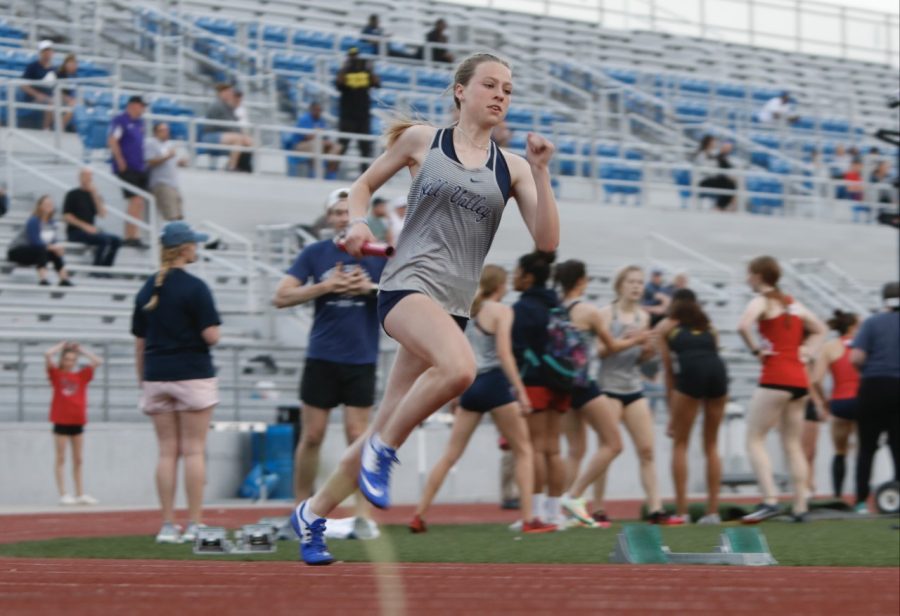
<point>827,543</point>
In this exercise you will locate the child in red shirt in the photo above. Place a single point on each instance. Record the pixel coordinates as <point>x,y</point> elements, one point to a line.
<point>68,413</point>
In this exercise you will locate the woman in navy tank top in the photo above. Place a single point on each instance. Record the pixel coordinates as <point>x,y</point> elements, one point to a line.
<point>461,182</point>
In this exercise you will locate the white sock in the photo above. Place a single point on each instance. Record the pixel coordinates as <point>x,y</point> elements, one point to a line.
<point>553,508</point>
<point>537,505</point>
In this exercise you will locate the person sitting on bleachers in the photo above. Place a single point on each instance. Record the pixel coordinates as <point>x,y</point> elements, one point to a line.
<point>777,109</point>
<point>36,244</point>
<point>882,175</point>
<point>855,189</point>
<point>81,207</point>
<point>373,29</point>
<point>707,155</point>
<point>840,162</point>
<point>313,120</point>
<point>223,111</point>
<point>41,70</point>
<point>438,35</point>
<point>160,154</point>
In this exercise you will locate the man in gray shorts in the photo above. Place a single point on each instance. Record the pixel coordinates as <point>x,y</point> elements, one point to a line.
<point>160,155</point>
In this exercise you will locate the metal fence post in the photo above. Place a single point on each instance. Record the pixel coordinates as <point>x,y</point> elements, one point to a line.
<point>20,381</point>
<point>105,381</point>
<point>236,389</point>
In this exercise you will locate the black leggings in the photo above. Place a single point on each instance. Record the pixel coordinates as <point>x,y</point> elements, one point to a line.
<point>35,255</point>
<point>878,411</point>
<point>723,200</point>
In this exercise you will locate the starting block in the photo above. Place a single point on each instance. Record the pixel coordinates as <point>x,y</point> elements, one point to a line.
<point>281,528</point>
<point>211,540</point>
<point>251,539</point>
<point>642,544</point>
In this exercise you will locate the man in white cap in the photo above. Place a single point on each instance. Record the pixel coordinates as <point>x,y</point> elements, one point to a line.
<point>343,345</point>
<point>41,69</point>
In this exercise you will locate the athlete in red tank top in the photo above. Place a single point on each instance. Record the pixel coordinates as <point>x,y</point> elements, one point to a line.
<point>785,334</point>
<point>844,374</point>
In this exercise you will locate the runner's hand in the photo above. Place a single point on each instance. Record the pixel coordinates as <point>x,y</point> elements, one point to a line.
<point>357,235</point>
<point>524,401</point>
<point>539,151</point>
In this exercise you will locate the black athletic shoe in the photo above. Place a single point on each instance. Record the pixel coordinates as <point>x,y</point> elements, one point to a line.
<point>800,518</point>
<point>510,504</point>
<point>763,512</point>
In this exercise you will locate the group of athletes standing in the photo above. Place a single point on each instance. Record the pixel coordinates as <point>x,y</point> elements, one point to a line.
<point>456,340</point>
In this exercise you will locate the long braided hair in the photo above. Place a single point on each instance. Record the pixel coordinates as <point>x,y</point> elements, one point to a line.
<point>167,258</point>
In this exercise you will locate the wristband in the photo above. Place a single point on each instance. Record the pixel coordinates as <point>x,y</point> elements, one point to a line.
<point>361,219</point>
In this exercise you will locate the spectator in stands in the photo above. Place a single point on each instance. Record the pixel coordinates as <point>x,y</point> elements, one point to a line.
<point>68,413</point>
<point>707,155</point>
<point>778,109</point>
<point>354,81</point>
<point>680,281</point>
<point>342,353</point>
<point>876,353</point>
<point>373,28</point>
<point>68,70</point>
<point>854,178</point>
<point>312,120</point>
<point>656,298</point>
<point>241,115</point>
<point>160,154</point>
<point>881,175</point>
<point>221,134</point>
<point>4,202</point>
<point>396,216</point>
<point>840,163</point>
<point>126,144</point>
<point>438,35</point>
<point>378,220</point>
<point>36,243</point>
<point>81,207</point>
<point>41,69</point>
<point>175,322</point>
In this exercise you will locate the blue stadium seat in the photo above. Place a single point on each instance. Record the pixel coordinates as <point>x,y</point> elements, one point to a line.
<point>92,125</point>
<point>394,76</point>
<point>763,203</point>
<point>764,94</point>
<point>518,142</point>
<point>567,147</point>
<point>166,106</point>
<point>13,36</point>
<point>623,75</point>
<point>691,108</point>
<point>695,86</point>
<point>730,90</point>
<point>520,118</point>
<point>682,177</point>
<point>295,63</point>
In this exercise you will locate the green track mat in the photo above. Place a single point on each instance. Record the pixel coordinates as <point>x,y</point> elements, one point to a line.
<point>826,543</point>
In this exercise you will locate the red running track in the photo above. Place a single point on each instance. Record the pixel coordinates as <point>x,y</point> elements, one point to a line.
<point>75,587</point>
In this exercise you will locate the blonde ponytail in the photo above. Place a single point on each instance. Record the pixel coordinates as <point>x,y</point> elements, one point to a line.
<point>398,126</point>
<point>492,278</point>
<point>167,258</point>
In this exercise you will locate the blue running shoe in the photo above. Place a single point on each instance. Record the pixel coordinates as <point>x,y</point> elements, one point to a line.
<point>313,550</point>
<point>375,474</point>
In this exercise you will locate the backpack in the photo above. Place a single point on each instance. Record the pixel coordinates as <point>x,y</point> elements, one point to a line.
<point>566,357</point>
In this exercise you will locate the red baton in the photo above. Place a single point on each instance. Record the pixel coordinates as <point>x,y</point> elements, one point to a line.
<point>371,249</point>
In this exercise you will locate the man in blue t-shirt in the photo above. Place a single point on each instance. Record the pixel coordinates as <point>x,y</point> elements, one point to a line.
<point>126,144</point>
<point>312,120</point>
<point>41,69</point>
<point>876,353</point>
<point>343,342</point>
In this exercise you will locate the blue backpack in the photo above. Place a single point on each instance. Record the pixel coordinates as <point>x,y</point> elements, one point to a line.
<point>566,357</point>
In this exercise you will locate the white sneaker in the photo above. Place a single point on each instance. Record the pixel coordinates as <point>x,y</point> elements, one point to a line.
<point>576,507</point>
<point>364,529</point>
<point>68,499</point>
<point>562,522</point>
<point>169,533</point>
<point>340,528</point>
<point>190,535</point>
<point>86,499</point>
<point>516,526</point>
<point>710,519</point>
